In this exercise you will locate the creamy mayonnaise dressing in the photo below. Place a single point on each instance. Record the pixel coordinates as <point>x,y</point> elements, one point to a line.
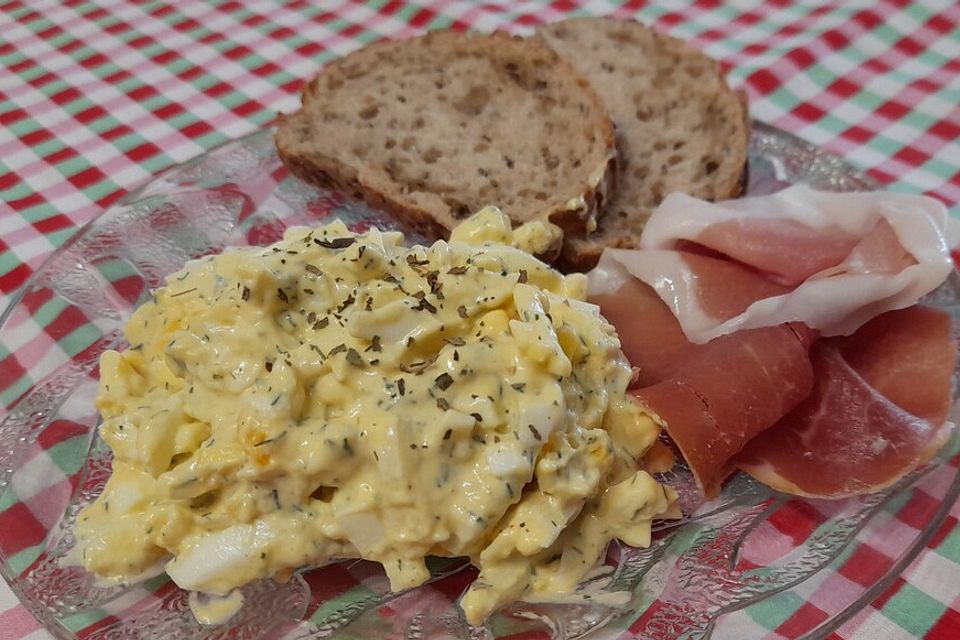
<point>337,396</point>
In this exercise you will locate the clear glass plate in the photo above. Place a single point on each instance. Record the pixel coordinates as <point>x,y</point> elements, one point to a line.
<point>732,568</point>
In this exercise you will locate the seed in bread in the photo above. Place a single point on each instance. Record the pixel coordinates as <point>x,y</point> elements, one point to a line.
<point>432,129</point>
<point>679,126</point>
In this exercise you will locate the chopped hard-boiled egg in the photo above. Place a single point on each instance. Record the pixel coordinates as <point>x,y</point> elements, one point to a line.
<point>339,395</point>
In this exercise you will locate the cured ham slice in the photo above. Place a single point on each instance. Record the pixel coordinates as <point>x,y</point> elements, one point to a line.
<point>832,261</point>
<point>852,416</point>
<point>878,410</point>
<point>713,398</point>
<point>717,310</point>
<point>700,290</point>
<point>650,335</point>
<point>728,392</point>
<point>908,356</point>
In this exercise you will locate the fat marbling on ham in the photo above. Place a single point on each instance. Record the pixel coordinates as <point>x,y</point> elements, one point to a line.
<point>830,260</point>
<point>721,311</point>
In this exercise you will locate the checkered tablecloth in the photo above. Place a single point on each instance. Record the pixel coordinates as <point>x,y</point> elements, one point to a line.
<point>95,97</point>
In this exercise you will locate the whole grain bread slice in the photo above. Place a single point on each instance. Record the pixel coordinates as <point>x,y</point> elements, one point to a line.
<point>679,126</point>
<point>433,128</point>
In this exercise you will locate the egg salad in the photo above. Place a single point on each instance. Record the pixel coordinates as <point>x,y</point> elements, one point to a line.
<point>339,395</point>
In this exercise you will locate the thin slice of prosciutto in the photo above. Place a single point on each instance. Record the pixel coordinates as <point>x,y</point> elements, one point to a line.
<point>728,393</point>
<point>878,409</point>
<point>714,398</point>
<point>832,261</point>
<point>722,311</point>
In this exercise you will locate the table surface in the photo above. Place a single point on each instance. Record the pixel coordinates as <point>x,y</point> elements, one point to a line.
<point>95,97</point>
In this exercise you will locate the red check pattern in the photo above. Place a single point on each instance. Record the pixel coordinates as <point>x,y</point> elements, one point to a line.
<point>95,97</point>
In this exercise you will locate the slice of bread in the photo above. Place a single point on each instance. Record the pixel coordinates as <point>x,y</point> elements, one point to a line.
<point>434,128</point>
<point>679,126</point>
